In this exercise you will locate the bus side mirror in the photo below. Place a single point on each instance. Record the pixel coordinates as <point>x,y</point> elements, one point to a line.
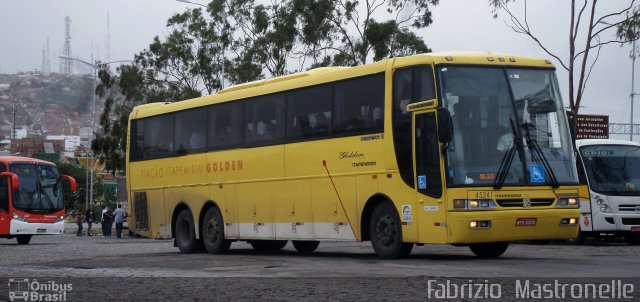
<point>15,180</point>
<point>72,182</point>
<point>445,126</point>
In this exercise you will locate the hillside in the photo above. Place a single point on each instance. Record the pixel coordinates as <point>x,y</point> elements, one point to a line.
<point>46,104</point>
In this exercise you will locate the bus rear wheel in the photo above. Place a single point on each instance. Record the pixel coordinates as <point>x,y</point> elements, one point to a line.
<point>268,245</point>
<point>386,233</point>
<point>23,239</point>
<point>186,233</point>
<point>305,246</point>
<point>490,249</point>
<point>213,232</point>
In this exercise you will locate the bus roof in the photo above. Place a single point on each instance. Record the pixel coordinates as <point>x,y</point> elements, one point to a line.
<point>20,159</point>
<point>328,74</point>
<point>596,142</point>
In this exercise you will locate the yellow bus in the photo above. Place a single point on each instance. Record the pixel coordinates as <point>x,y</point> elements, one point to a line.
<point>459,148</point>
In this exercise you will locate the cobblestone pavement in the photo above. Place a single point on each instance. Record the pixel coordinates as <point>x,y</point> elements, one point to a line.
<point>145,269</point>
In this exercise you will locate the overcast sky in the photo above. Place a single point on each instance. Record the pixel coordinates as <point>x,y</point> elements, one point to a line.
<point>458,25</point>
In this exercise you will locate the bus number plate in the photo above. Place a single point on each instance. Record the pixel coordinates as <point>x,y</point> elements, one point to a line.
<point>42,230</point>
<point>635,229</point>
<point>526,221</point>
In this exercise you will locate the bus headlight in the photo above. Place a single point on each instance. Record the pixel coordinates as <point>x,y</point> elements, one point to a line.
<point>569,221</point>
<point>18,217</point>
<point>474,204</point>
<point>61,218</point>
<point>568,202</point>
<point>603,206</point>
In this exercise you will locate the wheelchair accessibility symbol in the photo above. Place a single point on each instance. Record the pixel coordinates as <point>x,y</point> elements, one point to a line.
<point>422,181</point>
<point>536,174</point>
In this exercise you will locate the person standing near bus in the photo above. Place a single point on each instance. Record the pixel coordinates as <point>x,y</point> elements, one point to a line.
<point>118,217</point>
<point>107,221</point>
<point>79,223</point>
<point>89,218</point>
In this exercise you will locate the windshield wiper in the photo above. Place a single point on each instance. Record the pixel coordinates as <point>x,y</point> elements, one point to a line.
<point>507,159</point>
<point>537,155</point>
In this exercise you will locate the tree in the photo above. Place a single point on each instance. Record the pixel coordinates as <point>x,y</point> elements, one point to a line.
<point>248,41</point>
<point>588,32</point>
<point>78,199</point>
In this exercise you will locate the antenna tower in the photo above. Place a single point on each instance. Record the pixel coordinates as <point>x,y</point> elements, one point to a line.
<point>48,57</point>
<point>108,55</point>
<point>66,51</point>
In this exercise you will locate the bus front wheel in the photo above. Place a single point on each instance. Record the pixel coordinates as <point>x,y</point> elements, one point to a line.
<point>386,233</point>
<point>305,246</point>
<point>632,239</point>
<point>23,239</point>
<point>489,250</point>
<point>186,233</point>
<point>213,232</point>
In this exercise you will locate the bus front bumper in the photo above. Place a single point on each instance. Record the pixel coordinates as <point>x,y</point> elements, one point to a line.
<point>18,227</point>
<point>496,226</point>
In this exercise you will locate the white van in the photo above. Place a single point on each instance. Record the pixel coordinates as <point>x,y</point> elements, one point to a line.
<point>611,168</point>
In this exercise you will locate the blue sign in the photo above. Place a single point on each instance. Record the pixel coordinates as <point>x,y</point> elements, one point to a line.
<point>536,174</point>
<point>422,181</point>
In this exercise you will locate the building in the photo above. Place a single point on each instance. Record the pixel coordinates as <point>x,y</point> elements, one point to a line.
<point>31,146</point>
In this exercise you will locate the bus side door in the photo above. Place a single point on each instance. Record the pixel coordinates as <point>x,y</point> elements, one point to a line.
<point>431,211</point>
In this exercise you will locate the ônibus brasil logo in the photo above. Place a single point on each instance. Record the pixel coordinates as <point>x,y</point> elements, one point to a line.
<point>25,289</point>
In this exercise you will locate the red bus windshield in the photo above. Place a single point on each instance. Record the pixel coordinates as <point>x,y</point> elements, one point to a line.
<point>40,189</point>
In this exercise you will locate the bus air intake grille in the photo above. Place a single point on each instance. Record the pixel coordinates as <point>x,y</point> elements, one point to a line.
<point>629,208</point>
<point>631,221</point>
<point>515,203</point>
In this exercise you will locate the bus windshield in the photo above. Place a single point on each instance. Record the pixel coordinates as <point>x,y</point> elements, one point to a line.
<point>40,189</point>
<point>612,169</point>
<point>490,108</point>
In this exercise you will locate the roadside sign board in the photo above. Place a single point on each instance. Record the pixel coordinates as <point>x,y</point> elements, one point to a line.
<point>592,126</point>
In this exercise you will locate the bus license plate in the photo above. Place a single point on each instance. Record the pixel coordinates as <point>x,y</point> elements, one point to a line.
<point>42,230</point>
<point>635,229</point>
<point>526,221</point>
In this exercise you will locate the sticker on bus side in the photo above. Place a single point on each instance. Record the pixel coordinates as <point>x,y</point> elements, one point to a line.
<point>422,181</point>
<point>406,214</point>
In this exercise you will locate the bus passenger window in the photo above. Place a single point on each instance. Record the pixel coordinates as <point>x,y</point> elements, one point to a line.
<point>190,131</point>
<point>226,125</point>
<point>354,104</point>
<point>264,119</point>
<point>308,109</point>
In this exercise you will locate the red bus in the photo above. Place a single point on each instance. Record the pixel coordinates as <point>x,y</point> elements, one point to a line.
<point>31,201</point>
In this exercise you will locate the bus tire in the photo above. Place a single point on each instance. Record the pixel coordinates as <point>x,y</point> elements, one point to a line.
<point>386,233</point>
<point>213,232</point>
<point>268,245</point>
<point>23,239</point>
<point>490,249</point>
<point>186,233</point>
<point>632,239</point>
<point>579,240</point>
<point>305,247</point>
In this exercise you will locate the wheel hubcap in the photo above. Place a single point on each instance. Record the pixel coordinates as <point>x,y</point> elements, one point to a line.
<point>386,230</point>
<point>212,230</point>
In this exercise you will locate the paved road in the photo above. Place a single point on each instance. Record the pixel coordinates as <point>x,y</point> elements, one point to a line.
<point>154,269</point>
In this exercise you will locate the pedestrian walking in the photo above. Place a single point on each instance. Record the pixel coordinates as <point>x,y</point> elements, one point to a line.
<point>79,223</point>
<point>89,218</point>
<point>118,217</point>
